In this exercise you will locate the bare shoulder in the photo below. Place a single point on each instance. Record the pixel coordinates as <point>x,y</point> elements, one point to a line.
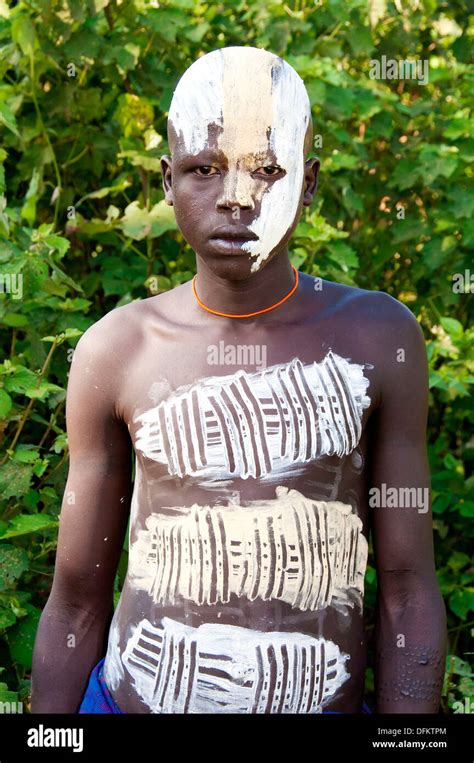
<point>100,361</point>
<point>376,329</point>
<point>108,346</point>
<point>391,330</point>
<point>106,335</point>
<point>388,311</point>
<point>126,323</point>
<point>119,333</point>
<point>372,313</point>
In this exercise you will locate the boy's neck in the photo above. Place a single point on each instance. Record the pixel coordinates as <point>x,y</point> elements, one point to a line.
<point>255,292</point>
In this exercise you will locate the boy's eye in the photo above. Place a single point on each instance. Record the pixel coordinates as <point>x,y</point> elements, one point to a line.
<point>269,170</point>
<point>206,170</point>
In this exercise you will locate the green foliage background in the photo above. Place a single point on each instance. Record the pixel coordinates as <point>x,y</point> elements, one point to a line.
<point>84,93</point>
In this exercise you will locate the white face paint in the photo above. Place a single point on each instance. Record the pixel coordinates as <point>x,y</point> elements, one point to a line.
<point>304,552</point>
<point>258,425</point>
<point>229,669</point>
<point>259,101</point>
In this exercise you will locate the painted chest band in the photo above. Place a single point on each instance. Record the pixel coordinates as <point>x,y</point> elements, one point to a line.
<point>258,424</point>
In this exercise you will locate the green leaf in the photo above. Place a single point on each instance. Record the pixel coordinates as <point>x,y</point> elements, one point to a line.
<point>15,320</point>
<point>57,243</point>
<point>407,230</point>
<point>343,255</point>
<point>69,333</point>
<point>458,560</point>
<point>340,101</point>
<point>452,326</point>
<point>134,113</point>
<point>5,403</point>
<point>28,210</point>
<point>436,380</point>
<point>352,201</point>
<point>126,56</point>
<point>25,454</point>
<point>405,174</point>
<point>461,602</point>
<point>198,32</point>
<point>361,40</point>
<point>21,637</point>
<point>437,162</point>
<point>20,379</point>
<point>316,229</point>
<point>462,202</point>
<point>436,251</point>
<point>24,34</point>
<point>316,91</point>
<point>107,191</point>
<point>23,524</point>
<point>456,665</point>
<point>140,223</point>
<point>60,443</point>
<point>370,575</point>
<point>167,22</point>
<point>143,159</point>
<point>457,127</point>
<point>7,619</point>
<point>14,480</point>
<point>341,161</point>
<point>62,277</point>
<point>467,509</point>
<point>7,118</point>
<point>42,391</point>
<point>13,562</point>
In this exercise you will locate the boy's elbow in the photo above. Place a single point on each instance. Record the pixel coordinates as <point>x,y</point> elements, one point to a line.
<point>79,596</point>
<point>403,589</point>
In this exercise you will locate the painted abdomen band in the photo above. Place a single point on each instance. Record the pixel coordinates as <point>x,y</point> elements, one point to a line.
<point>226,668</point>
<point>291,548</point>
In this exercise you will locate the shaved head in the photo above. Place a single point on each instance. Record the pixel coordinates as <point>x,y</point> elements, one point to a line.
<point>253,107</point>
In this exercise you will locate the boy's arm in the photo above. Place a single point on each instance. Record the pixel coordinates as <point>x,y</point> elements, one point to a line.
<point>73,629</point>
<point>411,617</point>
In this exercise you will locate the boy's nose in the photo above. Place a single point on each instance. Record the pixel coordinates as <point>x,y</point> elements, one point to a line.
<point>237,191</point>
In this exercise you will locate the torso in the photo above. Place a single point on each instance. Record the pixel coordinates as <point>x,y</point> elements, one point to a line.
<point>249,518</point>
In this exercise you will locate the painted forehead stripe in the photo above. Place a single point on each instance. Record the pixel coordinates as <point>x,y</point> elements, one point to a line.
<point>304,552</point>
<point>226,668</point>
<point>226,85</point>
<point>254,425</point>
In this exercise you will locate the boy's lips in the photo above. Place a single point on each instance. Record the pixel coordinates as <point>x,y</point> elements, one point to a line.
<point>231,238</point>
<point>233,233</point>
<point>230,245</point>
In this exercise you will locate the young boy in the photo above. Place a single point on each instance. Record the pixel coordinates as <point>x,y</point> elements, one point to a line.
<point>261,411</point>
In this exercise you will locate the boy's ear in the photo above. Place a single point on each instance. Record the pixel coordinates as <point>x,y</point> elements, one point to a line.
<point>166,164</point>
<point>311,171</point>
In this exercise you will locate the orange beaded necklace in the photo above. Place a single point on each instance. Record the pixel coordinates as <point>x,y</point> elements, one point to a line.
<point>247,315</point>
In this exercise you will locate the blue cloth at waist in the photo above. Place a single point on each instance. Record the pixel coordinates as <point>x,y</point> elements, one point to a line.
<point>97,697</point>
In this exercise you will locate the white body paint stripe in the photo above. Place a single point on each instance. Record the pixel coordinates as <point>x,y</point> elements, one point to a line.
<point>303,552</point>
<point>260,424</point>
<point>229,669</point>
<point>113,667</point>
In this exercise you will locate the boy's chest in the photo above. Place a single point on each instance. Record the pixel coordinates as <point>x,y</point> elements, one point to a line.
<point>227,410</point>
